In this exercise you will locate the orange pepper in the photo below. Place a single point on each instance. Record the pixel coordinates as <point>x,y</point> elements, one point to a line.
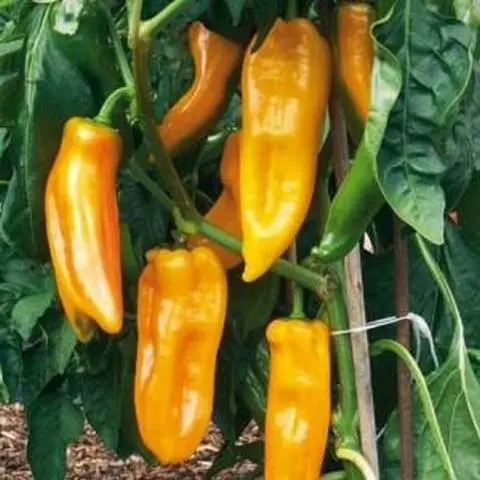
<point>298,402</point>
<point>216,60</point>
<point>286,86</point>
<point>355,54</point>
<point>182,302</point>
<point>83,227</point>
<point>225,212</point>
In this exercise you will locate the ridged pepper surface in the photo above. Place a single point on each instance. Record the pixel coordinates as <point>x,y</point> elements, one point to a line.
<point>285,87</point>
<point>298,402</point>
<point>82,226</point>
<point>182,301</point>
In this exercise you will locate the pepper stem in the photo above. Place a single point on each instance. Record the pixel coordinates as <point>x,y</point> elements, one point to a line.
<point>149,28</point>
<point>118,48</point>
<point>358,460</point>
<point>108,107</point>
<point>292,9</point>
<point>297,307</point>
<point>146,113</point>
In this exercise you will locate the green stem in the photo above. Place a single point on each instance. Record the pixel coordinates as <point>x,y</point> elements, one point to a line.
<point>297,306</point>
<point>118,48</point>
<point>423,393</point>
<point>292,9</point>
<point>295,291</point>
<point>320,284</point>
<point>358,460</point>
<point>440,279</point>
<point>140,45</point>
<point>139,174</point>
<point>340,475</point>
<point>345,420</point>
<point>149,28</point>
<point>108,107</point>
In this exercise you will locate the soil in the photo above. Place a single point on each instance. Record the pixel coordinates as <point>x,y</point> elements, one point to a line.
<point>88,459</point>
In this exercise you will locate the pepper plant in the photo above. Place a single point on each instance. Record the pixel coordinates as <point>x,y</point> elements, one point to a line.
<point>206,205</point>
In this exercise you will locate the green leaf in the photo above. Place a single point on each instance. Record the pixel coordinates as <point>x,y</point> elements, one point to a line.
<point>455,393</point>
<point>11,58</point>
<point>232,454</point>
<point>468,11</point>
<point>11,363</point>
<point>53,423</point>
<point>65,75</point>
<point>130,264</point>
<point>129,441</point>
<point>48,355</point>
<point>251,304</point>
<point>236,8</point>
<point>435,53</point>
<point>458,149</point>
<point>469,213</point>
<point>26,277</point>
<point>29,310</point>
<point>148,221</point>
<point>250,308</point>
<point>101,391</point>
<point>472,107</point>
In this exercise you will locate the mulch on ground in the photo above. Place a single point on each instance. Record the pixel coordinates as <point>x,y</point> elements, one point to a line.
<point>88,459</point>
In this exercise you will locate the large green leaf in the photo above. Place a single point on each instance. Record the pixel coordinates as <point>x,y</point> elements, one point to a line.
<point>250,308</point>
<point>129,440</point>
<point>11,364</point>
<point>53,423</point>
<point>101,387</point>
<point>435,54</point>
<point>48,355</point>
<point>455,393</point>
<point>67,72</point>
<point>11,56</point>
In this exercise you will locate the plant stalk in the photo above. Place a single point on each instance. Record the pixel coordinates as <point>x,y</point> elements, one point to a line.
<point>140,44</point>
<point>353,285</point>
<point>404,383</point>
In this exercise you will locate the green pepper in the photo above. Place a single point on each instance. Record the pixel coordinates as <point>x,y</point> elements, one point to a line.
<point>354,206</point>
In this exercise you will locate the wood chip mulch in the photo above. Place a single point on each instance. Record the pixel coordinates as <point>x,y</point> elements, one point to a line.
<point>88,459</point>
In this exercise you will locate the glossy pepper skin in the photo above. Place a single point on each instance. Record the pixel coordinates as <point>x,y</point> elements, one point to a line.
<point>285,85</point>
<point>355,54</point>
<point>225,212</point>
<point>182,301</point>
<point>216,60</point>
<point>298,403</point>
<point>83,228</point>
<point>354,206</point>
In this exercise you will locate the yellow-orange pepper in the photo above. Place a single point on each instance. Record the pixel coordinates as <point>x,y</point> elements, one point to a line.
<point>216,60</point>
<point>225,212</point>
<point>285,86</point>
<point>83,228</point>
<point>182,301</point>
<point>355,54</point>
<point>298,403</point>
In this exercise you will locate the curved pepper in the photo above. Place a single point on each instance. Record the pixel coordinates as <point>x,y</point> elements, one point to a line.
<point>286,86</point>
<point>355,54</point>
<point>83,227</point>
<point>182,301</point>
<point>298,403</point>
<point>216,60</point>
<point>354,206</point>
<point>225,211</point>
